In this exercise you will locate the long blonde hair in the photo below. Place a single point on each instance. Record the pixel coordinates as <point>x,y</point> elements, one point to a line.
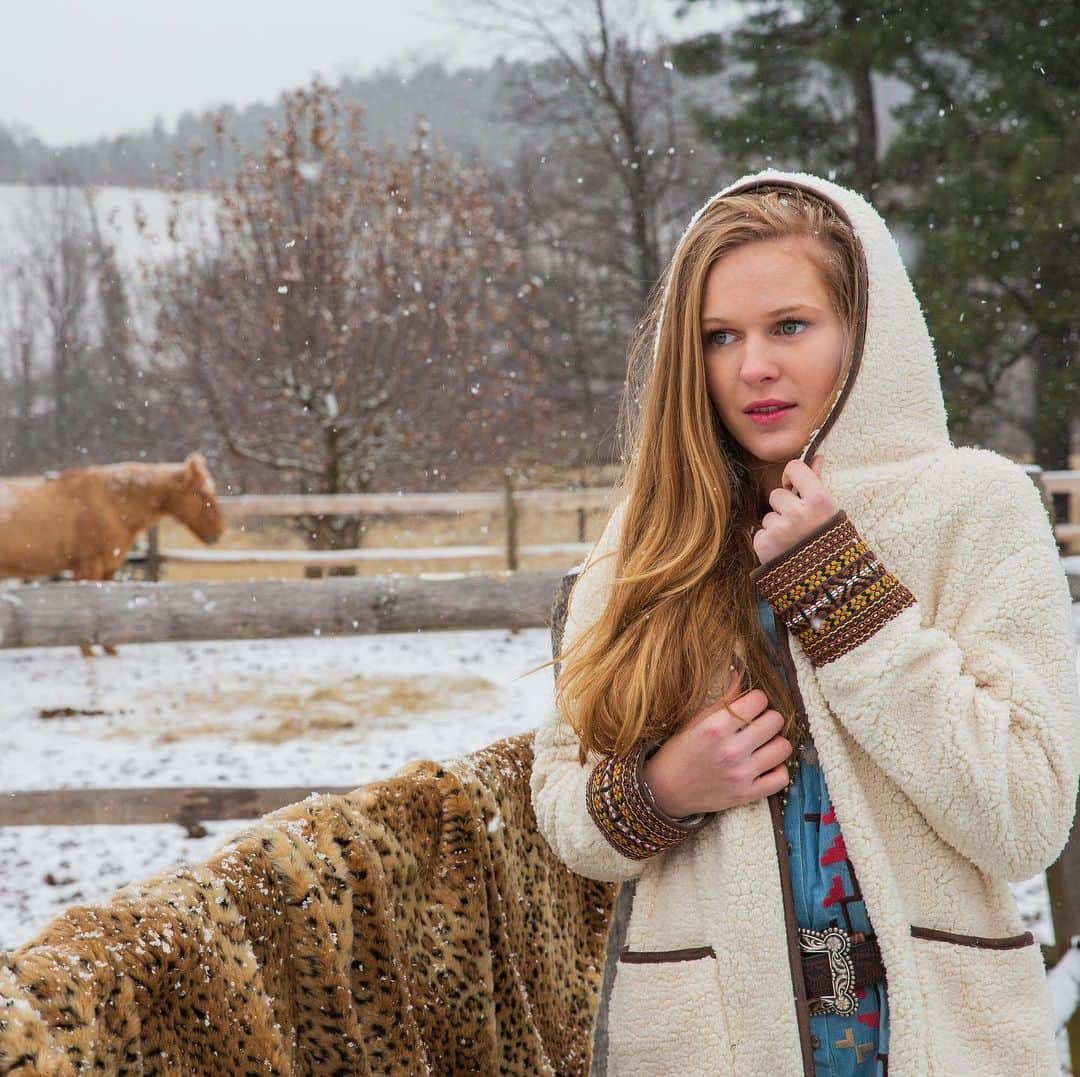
<point>682,606</point>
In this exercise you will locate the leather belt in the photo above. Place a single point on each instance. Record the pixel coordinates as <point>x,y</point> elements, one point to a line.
<point>835,964</point>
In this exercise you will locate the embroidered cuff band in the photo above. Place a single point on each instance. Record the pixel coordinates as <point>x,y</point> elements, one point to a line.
<point>831,590</point>
<point>622,806</point>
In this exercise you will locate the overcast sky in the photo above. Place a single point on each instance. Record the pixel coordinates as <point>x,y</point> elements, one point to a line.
<point>75,70</point>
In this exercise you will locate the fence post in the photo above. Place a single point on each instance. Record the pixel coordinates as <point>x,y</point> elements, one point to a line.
<point>153,555</point>
<point>511,521</point>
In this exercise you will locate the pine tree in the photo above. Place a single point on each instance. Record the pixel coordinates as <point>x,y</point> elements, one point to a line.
<point>983,168</point>
<point>988,154</point>
<point>803,95</point>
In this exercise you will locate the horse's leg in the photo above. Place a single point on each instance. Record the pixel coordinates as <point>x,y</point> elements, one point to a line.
<point>88,570</point>
<point>109,573</point>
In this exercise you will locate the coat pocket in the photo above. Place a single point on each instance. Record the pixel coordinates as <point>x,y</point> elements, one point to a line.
<point>987,1003</point>
<point>666,1015</point>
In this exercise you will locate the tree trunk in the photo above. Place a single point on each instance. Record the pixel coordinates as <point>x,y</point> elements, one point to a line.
<point>866,173</point>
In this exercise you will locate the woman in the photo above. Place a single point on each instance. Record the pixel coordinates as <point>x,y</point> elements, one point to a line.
<point>820,842</point>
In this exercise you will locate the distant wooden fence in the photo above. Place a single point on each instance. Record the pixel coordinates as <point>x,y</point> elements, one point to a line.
<point>510,502</point>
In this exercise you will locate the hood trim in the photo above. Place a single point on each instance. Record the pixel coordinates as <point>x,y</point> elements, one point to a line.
<point>862,287</point>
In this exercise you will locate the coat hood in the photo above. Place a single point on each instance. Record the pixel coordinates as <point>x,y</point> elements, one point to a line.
<point>890,408</point>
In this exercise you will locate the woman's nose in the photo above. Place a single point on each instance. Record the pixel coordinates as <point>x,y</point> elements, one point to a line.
<point>758,360</point>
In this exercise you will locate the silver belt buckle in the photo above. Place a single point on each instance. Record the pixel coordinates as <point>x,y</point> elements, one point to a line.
<point>835,942</point>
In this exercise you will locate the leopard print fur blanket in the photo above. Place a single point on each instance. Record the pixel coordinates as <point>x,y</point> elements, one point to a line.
<point>417,925</point>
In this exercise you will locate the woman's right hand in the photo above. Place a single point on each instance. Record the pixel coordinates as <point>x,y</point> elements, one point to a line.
<point>726,755</point>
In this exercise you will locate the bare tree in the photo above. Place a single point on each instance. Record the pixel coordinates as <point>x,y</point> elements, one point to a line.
<point>606,106</point>
<point>58,261</point>
<point>18,339</point>
<point>351,318</point>
<point>610,178</point>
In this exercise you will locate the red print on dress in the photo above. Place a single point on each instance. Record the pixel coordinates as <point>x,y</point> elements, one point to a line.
<point>829,816</point>
<point>835,852</point>
<point>836,892</point>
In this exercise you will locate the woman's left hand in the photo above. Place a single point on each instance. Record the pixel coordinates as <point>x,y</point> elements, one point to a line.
<point>801,503</point>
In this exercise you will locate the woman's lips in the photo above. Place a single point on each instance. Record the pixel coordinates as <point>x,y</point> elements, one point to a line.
<point>764,418</point>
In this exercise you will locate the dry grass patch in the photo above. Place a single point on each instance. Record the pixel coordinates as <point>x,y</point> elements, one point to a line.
<point>272,715</point>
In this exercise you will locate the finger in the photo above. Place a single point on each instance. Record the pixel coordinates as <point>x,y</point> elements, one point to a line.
<point>782,500</point>
<point>749,705</point>
<point>775,748</point>
<point>772,781</point>
<point>762,731</point>
<point>799,477</point>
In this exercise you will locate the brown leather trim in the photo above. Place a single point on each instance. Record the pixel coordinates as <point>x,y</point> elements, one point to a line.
<point>863,292</point>
<point>802,1006</point>
<point>1006,942</point>
<point>645,957</point>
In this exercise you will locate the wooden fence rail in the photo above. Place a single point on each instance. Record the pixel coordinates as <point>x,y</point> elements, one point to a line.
<point>184,805</point>
<point>243,507</point>
<point>573,550</point>
<point>119,613</point>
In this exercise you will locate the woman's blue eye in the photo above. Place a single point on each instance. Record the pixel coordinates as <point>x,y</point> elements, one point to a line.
<point>711,338</point>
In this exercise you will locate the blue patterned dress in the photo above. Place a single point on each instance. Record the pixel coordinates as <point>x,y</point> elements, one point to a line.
<point>827,894</point>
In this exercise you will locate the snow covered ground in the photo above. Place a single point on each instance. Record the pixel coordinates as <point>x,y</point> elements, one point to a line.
<point>317,712</point>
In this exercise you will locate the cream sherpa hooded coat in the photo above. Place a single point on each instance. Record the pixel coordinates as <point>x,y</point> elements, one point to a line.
<point>949,737</point>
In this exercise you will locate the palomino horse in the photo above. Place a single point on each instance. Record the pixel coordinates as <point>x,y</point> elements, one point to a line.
<point>85,520</point>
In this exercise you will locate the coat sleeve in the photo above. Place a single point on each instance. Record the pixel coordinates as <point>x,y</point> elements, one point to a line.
<point>598,818</point>
<point>980,725</point>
